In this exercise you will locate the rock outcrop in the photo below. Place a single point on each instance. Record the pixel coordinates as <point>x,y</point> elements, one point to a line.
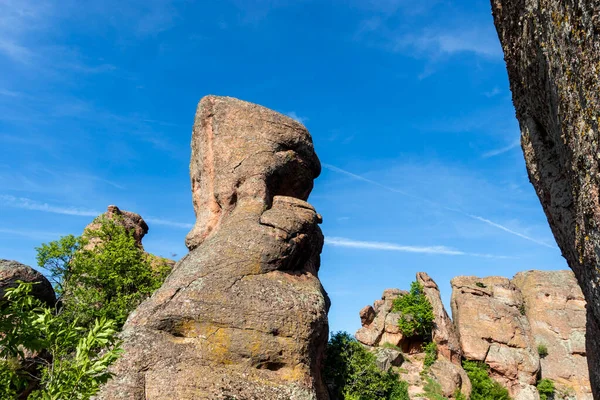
<point>12,271</point>
<point>380,324</point>
<point>492,326</point>
<point>555,308</point>
<point>243,315</point>
<point>381,334</point>
<point>135,226</point>
<point>552,53</point>
<point>444,332</point>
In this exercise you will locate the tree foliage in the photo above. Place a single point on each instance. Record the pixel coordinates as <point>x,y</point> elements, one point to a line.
<point>352,373</point>
<point>545,388</point>
<point>430,354</point>
<point>417,312</point>
<point>36,351</point>
<point>483,387</point>
<point>106,277</point>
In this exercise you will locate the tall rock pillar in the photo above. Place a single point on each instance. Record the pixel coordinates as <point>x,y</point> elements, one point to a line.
<point>552,53</point>
<point>244,314</point>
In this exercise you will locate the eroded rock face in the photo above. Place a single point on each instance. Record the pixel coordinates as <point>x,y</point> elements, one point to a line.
<point>492,327</point>
<point>133,223</point>
<point>444,332</point>
<point>451,378</point>
<point>243,315</point>
<point>552,53</point>
<point>380,323</point>
<point>13,271</point>
<point>555,308</point>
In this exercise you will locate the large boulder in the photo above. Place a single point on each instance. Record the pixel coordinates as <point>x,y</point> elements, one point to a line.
<point>555,308</point>
<point>444,332</point>
<point>12,271</point>
<point>552,54</point>
<point>451,377</point>
<point>243,315</point>
<point>492,327</point>
<point>134,225</point>
<point>380,323</point>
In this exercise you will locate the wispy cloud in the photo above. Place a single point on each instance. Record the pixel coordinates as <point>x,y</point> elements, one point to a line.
<point>501,150</point>
<point>367,245</point>
<point>293,115</point>
<point>28,204</point>
<point>496,225</point>
<point>440,206</point>
<point>31,234</point>
<point>173,224</point>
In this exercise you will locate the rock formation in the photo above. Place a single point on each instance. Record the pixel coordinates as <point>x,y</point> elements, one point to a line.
<point>133,223</point>
<point>552,53</point>
<point>13,271</point>
<point>380,324</point>
<point>380,330</point>
<point>555,308</point>
<point>497,321</point>
<point>243,315</point>
<point>493,328</point>
<point>444,332</point>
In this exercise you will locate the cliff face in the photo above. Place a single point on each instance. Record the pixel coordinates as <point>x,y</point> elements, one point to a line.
<point>552,53</point>
<point>504,323</point>
<point>243,315</point>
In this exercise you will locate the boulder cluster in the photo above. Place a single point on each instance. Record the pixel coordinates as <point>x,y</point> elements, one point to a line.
<point>524,329</point>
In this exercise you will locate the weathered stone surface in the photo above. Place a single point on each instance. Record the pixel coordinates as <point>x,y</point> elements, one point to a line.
<point>243,315</point>
<point>451,378</point>
<point>13,271</point>
<point>555,308</point>
<point>492,329</point>
<point>379,323</point>
<point>552,53</point>
<point>386,358</point>
<point>444,333</point>
<point>133,223</point>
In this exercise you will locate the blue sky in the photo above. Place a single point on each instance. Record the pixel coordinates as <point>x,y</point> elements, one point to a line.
<point>408,105</point>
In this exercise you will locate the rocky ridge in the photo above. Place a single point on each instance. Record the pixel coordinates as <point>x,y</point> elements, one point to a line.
<point>497,321</point>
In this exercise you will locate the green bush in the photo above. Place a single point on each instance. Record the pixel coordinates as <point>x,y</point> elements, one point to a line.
<point>417,312</point>
<point>483,387</point>
<point>480,284</point>
<point>433,390</point>
<point>106,279</point>
<point>350,371</point>
<point>430,354</point>
<point>30,327</point>
<point>545,388</point>
<point>542,350</point>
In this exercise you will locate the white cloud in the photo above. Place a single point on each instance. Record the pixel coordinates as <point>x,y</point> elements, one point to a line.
<point>28,204</point>
<point>160,221</point>
<point>443,250</point>
<point>32,234</point>
<point>294,116</point>
<point>481,42</point>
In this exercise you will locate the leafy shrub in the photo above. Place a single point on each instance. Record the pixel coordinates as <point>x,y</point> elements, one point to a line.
<point>417,312</point>
<point>351,372</point>
<point>542,350</point>
<point>545,388</point>
<point>106,279</point>
<point>430,354</point>
<point>480,284</point>
<point>433,390</point>
<point>483,387</point>
<point>522,309</point>
<point>30,327</point>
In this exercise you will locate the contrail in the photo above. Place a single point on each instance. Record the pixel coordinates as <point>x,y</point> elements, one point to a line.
<point>443,250</point>
<point>412,196</point>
